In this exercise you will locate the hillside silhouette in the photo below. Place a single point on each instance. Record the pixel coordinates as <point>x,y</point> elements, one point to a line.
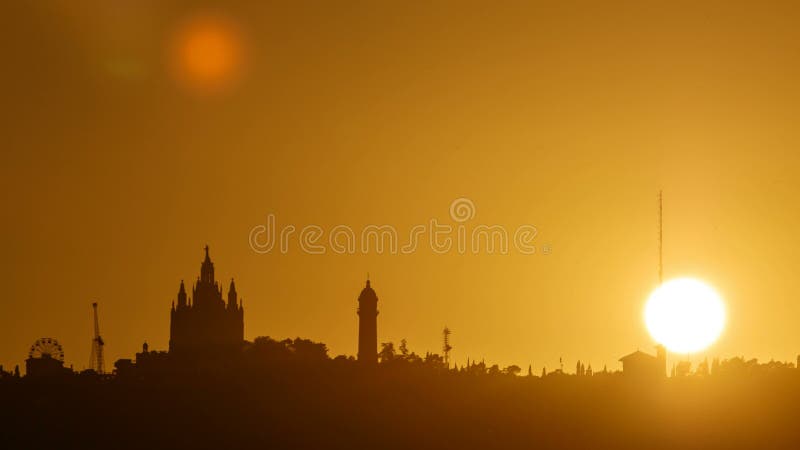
<point>291,394</point>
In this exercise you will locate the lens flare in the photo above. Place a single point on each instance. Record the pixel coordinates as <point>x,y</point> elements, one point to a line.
<point>207,54</point>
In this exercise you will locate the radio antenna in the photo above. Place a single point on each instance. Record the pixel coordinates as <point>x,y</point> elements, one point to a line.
<point>660,238</point>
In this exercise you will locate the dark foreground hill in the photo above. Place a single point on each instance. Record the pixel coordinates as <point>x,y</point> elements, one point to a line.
<point>321,404</point>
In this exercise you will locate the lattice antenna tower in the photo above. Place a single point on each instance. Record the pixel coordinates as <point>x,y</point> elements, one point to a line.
<point>446,347</point>
<point>660,238</point>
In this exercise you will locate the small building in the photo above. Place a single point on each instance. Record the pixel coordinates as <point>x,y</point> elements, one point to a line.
<point>644,365</point>
<point>45,366</point>
<point>147,363</point>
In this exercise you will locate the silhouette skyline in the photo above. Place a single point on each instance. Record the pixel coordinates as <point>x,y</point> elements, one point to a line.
<point>206,331</point>
<point>291,393</point>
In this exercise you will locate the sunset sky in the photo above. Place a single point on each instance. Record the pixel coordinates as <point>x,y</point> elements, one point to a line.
<point>135,133</point>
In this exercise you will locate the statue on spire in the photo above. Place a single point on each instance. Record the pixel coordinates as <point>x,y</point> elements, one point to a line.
<point>207,269</point>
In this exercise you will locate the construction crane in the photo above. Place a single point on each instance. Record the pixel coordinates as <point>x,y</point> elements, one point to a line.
<point>96,361</point>
<point>446,347</point>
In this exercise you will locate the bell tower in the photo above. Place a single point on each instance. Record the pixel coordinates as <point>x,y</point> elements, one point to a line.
<point>368,326</point>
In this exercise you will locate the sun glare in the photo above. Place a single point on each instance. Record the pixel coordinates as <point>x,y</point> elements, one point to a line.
<point>685,315</point>
<point>207,54</point>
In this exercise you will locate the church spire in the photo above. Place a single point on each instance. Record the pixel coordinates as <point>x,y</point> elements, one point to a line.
<point>182,296</point>
<point>232,303</point>
<point>207,269</point>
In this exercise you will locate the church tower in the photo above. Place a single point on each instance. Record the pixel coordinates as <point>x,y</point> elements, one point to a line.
<point>368,325</point>
<point>204,325</point>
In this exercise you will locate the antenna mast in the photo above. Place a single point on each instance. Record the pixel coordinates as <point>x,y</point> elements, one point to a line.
<point>96,361</point>
<point>660,239</point>
<point>446,347</point>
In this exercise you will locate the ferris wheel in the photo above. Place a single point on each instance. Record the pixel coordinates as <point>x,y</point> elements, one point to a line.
<point>46,348</point>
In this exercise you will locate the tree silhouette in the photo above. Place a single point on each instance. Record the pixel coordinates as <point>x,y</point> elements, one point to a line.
<point>403,348</point>
<point>387,353</point>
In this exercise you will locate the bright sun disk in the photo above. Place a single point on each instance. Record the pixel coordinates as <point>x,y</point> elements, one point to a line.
<point>685,315</point>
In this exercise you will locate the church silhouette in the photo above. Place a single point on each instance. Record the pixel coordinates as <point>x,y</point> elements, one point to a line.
<point>204,325</point>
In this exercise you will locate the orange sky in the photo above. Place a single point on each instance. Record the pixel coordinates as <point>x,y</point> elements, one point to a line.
<point>119,166</point>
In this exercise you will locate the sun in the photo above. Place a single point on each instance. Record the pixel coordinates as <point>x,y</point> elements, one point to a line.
<point>685,315</point>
